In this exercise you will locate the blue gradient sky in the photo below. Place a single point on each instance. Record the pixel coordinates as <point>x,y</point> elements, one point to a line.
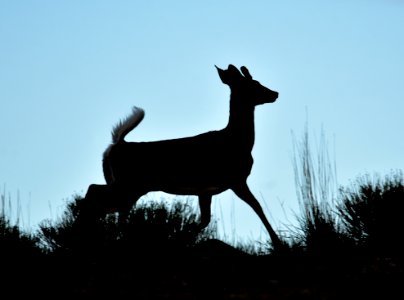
<point>69,70</point>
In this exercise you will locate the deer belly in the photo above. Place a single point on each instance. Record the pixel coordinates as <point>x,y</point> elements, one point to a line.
<point>187,190</point>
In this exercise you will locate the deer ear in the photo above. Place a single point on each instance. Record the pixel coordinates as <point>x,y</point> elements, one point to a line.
<point>234,72</point>
<point>223,75</point>
<point>246,73</point>
<point>232,68</point>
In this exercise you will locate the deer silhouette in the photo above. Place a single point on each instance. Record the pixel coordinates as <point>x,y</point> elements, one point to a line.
<point>203,165</point>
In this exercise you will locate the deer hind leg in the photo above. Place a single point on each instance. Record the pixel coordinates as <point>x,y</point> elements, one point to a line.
<point>96,200</point>
<point>102,199</point>
<point>204,207</point>
<point>245,194</point>
<point>125,199</point>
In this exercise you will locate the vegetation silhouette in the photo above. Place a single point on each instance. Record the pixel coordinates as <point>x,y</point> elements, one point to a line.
<point>348,248</point>
<point>319,231</point>
<point>20,254</point>
<point>202,165</point>
<point>150,227</point>
<point>370,210</point>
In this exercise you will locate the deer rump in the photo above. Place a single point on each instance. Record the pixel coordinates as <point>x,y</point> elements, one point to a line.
<point>207,163</point>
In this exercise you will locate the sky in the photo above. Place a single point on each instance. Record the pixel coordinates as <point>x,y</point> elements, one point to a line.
<point>69,70</point>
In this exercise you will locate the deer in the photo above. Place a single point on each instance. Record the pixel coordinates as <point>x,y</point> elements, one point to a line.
<point>203,165</point>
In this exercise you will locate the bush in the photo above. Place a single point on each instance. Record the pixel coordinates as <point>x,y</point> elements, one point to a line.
<point>14,243</point>
<point>151,225</point>
<point>372,210</point>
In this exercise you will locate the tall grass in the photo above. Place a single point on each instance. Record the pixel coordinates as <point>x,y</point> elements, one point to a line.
<point>319,228</point>
<point>364,217</point>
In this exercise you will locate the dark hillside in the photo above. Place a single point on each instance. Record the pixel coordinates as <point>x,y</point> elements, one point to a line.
<point>160,254</point>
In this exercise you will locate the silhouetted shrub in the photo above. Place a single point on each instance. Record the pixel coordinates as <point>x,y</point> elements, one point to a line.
<point>14,243</point>
<point>20,257</point>
<point>372,211</point>
<point>162,224</point>
<point>150,226</point>
<point>68,232</point>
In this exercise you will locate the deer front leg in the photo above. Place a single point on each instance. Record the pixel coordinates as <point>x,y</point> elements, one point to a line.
<point>245,194</point>
<point>204,207</point>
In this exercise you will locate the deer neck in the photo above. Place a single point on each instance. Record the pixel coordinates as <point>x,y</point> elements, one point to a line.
<point>241,123</point>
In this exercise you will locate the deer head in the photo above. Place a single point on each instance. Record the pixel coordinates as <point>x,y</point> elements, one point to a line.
<point>242,82</point>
